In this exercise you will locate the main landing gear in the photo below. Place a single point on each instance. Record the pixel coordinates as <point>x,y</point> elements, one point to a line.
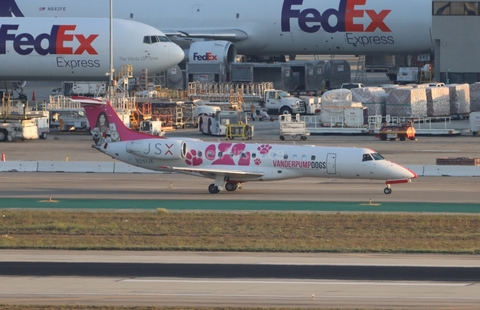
<point>229,186</point>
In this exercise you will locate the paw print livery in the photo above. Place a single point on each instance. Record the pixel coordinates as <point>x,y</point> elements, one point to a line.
<point>257,161</point>
<point>264,148</point>
<point>192,159</point>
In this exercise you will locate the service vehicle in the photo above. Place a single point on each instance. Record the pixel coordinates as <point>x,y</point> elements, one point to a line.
<point>216,124</point>
<point>293,127</point>
<point>400,132</point>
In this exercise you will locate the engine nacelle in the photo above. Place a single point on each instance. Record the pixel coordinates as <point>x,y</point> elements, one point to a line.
<point>158,148</point>
<point>212,52</point>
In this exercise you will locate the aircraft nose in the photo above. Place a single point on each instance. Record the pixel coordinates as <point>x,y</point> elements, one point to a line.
<point>175,54</point>
<point>404,172</point>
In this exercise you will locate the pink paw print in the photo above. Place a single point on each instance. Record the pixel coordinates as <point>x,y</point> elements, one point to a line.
<point>264,148</point>
<point>257,161</point>
<point>192,159</point>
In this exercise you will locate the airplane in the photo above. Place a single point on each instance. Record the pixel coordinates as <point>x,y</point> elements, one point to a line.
<point>230,164</point>
<point>216,30</point>
<point>79,48</point>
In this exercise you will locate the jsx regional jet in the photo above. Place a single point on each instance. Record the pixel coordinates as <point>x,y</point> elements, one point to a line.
<point>212,30</point>
<point>231,164</point>
<point>79,48</point>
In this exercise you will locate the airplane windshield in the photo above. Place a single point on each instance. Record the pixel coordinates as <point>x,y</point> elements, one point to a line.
<point>155,39</point>
<point>372,156</point>
<point>377,156</point>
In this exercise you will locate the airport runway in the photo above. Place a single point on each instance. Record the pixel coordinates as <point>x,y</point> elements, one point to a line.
<point>240,279</point>
<point>369,286</point>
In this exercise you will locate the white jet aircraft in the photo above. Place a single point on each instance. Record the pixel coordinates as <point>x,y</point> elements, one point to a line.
<point>230,164</point>
<point>213,30</point>
<point>79,48</point>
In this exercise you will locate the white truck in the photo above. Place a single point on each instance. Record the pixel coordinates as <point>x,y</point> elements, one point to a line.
<point>261,95</point>
<point>281,102</point>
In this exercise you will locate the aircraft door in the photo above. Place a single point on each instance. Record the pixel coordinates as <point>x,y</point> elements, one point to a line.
<point>331,163</point>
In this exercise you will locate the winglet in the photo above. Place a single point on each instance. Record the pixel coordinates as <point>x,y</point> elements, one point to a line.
<point>105,125</point>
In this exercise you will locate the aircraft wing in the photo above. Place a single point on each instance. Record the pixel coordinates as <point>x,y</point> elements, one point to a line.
<point>233,35</point>
<point>212,173</point>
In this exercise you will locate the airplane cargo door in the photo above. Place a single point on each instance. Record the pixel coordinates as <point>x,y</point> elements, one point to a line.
<point>331,163</point>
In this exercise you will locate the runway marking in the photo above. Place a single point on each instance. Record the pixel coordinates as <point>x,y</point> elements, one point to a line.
<point>403,283</point>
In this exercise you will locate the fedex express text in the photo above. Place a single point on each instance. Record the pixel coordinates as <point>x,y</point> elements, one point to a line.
<point>358,23</point>
<point>62,40</point>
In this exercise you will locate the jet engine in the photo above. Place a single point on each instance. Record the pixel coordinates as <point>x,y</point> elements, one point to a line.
<point>212,52</point>
<point>157,148</point>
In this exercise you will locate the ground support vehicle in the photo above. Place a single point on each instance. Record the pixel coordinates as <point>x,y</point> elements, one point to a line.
<point>292,127</point>
<point>240,130</point>
<point>216,124</point>
<point>400,132</point>
<point>11,131</point>
<point>261,95</point>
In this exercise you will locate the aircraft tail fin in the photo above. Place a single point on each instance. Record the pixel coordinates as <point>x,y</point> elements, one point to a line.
<point>105,125</point>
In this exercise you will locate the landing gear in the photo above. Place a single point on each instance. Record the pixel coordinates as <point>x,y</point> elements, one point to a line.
<point>213,189</point>
<point>231,187</point>
<point>388,189</point>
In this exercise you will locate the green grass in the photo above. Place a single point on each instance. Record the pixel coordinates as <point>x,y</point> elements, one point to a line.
<point>243,231</point>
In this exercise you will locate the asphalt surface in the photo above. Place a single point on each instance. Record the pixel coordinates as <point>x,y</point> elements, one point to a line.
<point>224,279</point>
<point>239,279</point>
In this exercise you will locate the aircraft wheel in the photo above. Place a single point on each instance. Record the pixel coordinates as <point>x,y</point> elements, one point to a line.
<point>213,189</point>
<point>402,137</point>
<point>387,190</point>
<point>474,133</point>
<point>282,138</point>
<point>43,136</point>
<point>231,186</point>
<point>304,138</point>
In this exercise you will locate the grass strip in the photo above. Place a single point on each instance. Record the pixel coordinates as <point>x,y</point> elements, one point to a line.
<point>243,231</point>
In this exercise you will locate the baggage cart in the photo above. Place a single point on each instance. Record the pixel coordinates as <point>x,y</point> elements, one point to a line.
<point>294,128</point>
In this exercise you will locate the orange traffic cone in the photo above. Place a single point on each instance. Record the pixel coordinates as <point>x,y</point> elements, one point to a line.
<point>3,156</point>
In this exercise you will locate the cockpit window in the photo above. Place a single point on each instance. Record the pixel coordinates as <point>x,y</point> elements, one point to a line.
<point>155,39</point>
<point>366,157</point>
<point>377,156</point>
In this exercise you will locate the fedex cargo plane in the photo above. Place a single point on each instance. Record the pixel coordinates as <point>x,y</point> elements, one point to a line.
<point>263,28</point>
<point>79,48</point>
<point>231,164</point>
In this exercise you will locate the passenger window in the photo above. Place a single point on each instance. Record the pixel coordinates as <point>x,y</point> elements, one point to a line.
<point>220,154</point>
<point>295,157</point>
<point>313,157</point>
<point>304,157</point>
<point>285,156</point>
<point>254,155</point>
<point>199,154</point>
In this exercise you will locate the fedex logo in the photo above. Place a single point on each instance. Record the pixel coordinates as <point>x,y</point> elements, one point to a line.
<point>55,42</point>
<point>207,56</point>
<point>334,20</point>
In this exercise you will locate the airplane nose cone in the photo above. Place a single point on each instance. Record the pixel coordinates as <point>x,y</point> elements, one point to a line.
<point>175,54</point>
